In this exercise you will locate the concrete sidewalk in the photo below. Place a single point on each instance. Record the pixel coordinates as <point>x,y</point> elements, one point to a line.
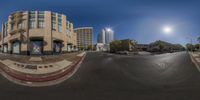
<point>81,54</point>
<point>195,56</point>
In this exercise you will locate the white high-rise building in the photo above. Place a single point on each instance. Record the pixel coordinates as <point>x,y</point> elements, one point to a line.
<point>105,37</point>
<point>101,37</point>
<point>109,35</point>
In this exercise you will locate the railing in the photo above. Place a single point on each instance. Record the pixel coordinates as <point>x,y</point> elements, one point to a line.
<point>20,30</point>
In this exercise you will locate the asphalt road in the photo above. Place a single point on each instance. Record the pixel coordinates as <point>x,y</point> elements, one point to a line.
<point>114,77</point>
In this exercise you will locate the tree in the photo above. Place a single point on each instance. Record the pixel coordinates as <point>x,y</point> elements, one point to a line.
<point>81,47</point>
<point>89,47</point>
<point>160,45</point>
<point>189,46</point>
<point>177,47</point>
<point>197,46</point>
<point>115,46</point>
<point>198,39</point>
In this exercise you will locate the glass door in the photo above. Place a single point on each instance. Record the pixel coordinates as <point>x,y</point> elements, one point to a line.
<point>36,47</point>
<point>16,47</point>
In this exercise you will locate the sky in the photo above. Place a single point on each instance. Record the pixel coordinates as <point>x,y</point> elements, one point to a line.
<point>142,20</point>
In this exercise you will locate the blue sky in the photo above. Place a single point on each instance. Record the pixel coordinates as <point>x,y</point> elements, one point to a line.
<point>142,20</point>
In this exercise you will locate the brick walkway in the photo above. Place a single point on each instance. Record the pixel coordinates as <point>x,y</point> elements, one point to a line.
<point>47,64</point>
<point>42,74</point>
<point>36,68</point>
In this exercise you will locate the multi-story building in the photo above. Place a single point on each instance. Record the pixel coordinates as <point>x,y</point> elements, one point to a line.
<point>37,32</point>
<point>105,37</point>
<point>109,35</point>
<point>142,47</point>
<point>84,38</point>
<point>101,37</point>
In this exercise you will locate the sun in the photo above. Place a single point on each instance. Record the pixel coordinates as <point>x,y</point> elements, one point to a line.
<point>167,30</point>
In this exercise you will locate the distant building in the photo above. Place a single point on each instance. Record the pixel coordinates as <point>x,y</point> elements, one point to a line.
<point>122,45</point>
<point>109,35</point>
<point>105,37</point>
<point>100,47</point>
<point>128,44</point>
<point>142,47</point>
<point>84,38</point>
<point>162,46</point>
<point>101,37</point>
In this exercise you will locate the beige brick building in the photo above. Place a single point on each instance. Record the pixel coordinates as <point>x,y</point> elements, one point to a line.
<point>84,38</point>
<point>37,32</point>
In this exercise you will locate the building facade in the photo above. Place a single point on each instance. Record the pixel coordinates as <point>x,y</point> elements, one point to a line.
<point>84,38</point>
<point>122,45</point>
<point>142,47</point>
<point>109,35</point>
<point>105,37</point>
<point>101,37</point>
<point>37,32</point>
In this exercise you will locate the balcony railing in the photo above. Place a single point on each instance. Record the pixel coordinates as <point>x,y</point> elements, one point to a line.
<point>21,30</point>
<point>17,17</point>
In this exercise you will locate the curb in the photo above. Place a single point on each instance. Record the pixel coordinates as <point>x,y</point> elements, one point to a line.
<point>43,81</point>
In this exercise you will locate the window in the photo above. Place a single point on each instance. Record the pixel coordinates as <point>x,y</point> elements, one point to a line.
<point>41,23</point>
<point>67,25</point>
<point>41,15</point>
<point>67,32</point>
<point>53,26</point>
<point>32,22</point>
<point>5,30</point>
<point>24,24</point>
<point>59,22</point>
<point>41,19</point>
<point>19,25</point>
<point>53,21</point>
<point>60,28</point>
<point>12,27</point>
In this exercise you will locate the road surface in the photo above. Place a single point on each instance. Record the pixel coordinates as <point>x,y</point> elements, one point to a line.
<point>113,77</point>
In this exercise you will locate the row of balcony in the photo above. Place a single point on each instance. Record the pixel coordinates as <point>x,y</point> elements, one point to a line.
<point>17,17</point>
<point>21,30</point>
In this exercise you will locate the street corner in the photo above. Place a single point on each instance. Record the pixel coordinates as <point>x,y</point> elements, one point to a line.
<point>40,70</point>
